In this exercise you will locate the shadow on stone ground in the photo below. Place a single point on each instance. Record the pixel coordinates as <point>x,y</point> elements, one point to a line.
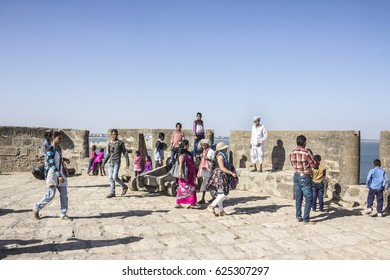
<point>238,200</point>
<point>70,245</point>
<point>334,213</point>
<point>89,186</point>
<point>11,211</point>
<point>121,215</point>
<point>257,209</point>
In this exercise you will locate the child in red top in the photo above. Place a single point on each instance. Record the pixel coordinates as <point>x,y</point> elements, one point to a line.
<point>137,161</point>
<point>91,159</point>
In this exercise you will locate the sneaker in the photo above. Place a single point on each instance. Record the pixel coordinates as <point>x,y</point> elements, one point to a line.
<point>380,215</point>
<point>369,211</point>
<point>299,219</point>
<point>36,215</point>
<point>111,195</point>
<point>65,218</point>
<point>124,191</point>
<point>201,202</point>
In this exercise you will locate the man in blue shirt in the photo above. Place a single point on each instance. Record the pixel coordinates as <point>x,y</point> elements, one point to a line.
<point>377,180</point>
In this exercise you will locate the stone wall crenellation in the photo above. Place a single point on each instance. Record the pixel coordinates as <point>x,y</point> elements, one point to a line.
<point>21,147</point>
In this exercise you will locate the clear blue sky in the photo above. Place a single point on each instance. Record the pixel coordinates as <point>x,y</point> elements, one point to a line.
<point>301,65</point>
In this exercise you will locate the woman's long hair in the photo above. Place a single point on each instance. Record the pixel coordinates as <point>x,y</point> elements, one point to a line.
<point>182,150</point>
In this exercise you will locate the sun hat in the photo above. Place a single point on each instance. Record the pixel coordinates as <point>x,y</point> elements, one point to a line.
<point>205,141</point>
<point>221,146</point>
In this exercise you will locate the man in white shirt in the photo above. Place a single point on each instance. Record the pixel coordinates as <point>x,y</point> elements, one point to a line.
<point>259,135</point>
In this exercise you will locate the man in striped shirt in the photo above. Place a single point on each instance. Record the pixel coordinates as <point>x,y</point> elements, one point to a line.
<point>302,160</point>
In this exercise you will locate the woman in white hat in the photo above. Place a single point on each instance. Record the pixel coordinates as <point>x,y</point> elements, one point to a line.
<point>219,179</point>
<point>204,170</point>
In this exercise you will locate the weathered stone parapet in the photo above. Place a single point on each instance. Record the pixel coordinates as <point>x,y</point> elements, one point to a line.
<point>384,149</point>
<point>20,147</point>
<point>270,183</point>
<point>357,196</point>
<point>281,184</point>
<point>340,152</point>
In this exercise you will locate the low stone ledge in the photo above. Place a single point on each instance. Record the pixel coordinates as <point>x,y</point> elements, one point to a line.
<point>281,184</point>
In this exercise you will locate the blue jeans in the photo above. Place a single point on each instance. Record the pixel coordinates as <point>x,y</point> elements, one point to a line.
<point>318,191</point>
<point>196,142</point>
<point>303,187</point>
<point>379,199</point>
<point>90,165</point>
<point>113,170</point>
<point>50,196</point>
<point>174,151</point>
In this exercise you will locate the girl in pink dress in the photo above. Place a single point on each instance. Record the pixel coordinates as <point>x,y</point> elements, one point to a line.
<point>186,191</point>
<point>97,162</point>
<point>137,161</point>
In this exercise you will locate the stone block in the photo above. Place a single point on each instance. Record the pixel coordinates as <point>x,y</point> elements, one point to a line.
<point>9,151</point>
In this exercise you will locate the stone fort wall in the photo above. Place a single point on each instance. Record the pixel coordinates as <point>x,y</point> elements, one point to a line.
<point>340,152</point>
<point>21,147</point>
<point>384,149</point>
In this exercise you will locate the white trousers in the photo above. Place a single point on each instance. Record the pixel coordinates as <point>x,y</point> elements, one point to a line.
<point>219,201</point>
<point>257,154</point>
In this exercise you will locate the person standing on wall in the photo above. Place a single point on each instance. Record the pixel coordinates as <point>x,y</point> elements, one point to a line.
<point>115,150</point>
<point>259,135</point>
<point>302,161</point>
<point>197,132</point>
<point>176,137</point>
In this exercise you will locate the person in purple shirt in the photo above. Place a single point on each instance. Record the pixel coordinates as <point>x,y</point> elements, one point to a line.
<point>148,164</point>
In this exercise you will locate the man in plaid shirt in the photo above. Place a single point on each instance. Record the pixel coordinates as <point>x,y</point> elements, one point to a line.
<point>302,160</point>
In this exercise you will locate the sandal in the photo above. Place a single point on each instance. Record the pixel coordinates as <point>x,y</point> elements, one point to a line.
<point>211,209</point>
<point>194,206</point>
<point>178,206</point>
<point>221,213</point>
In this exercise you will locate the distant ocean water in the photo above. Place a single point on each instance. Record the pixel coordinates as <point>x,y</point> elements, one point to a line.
<point>369,151</point>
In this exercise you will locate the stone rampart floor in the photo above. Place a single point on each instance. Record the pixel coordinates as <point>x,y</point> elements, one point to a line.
<point>146,226</point>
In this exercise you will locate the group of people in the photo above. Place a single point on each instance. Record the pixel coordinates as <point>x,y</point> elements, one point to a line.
<point>95,162</point>
<point>309,177</point>
<point>215,170</point>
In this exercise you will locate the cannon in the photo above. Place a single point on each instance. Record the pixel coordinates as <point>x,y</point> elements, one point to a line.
<point>158,180</point>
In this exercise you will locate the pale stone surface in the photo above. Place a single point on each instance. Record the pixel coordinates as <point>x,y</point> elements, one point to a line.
<point>147,226</point>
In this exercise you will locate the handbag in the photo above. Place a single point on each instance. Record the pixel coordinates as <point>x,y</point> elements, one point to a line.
<point>232,181</point>
<point>175,170</point>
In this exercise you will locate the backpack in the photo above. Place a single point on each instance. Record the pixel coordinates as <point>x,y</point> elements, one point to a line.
<point>39,172</point>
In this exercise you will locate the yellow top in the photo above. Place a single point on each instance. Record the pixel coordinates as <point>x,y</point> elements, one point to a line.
<point>318,174</point>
